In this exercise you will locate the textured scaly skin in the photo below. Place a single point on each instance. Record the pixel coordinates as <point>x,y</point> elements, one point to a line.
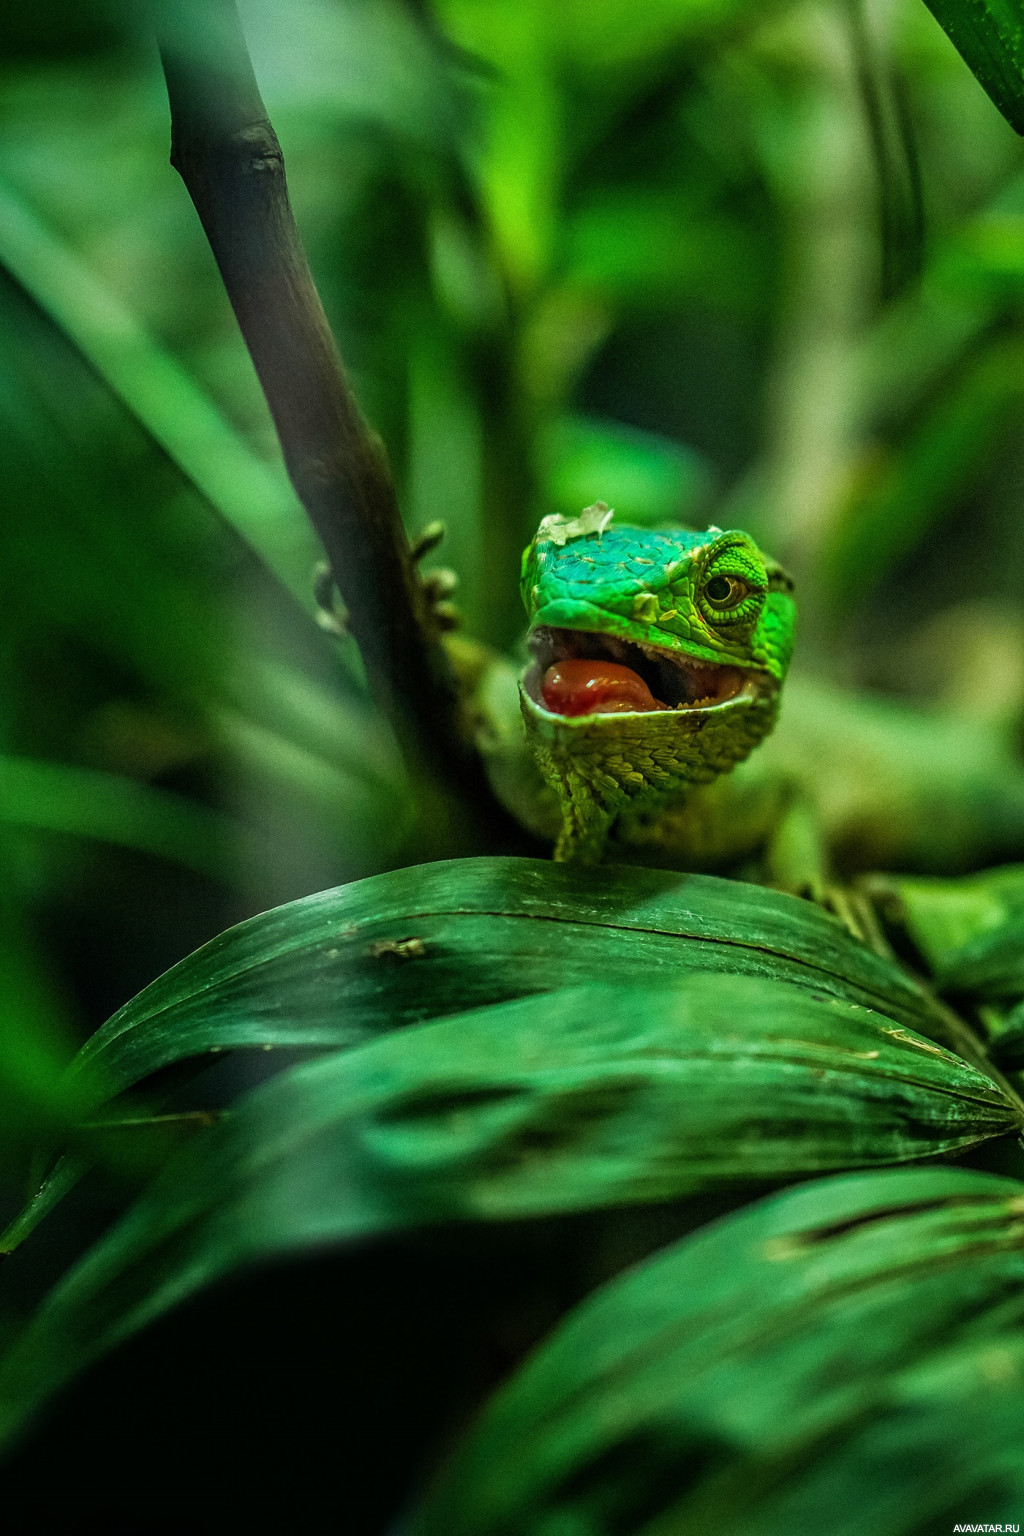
<point>626,770</point>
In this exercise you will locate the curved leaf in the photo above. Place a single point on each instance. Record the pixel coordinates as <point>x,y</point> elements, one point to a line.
<point>771,1367</point>
<point>576,1100</point>
<point>343,966</point>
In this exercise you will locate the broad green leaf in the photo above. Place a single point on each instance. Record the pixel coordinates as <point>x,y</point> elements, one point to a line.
<point>971,933</point>
<point>989,36</point>
<point>989,959</point>
<point>942,916</point>
<point>708,1388</point>
<point>341,967</point>
<point>577,1100</point>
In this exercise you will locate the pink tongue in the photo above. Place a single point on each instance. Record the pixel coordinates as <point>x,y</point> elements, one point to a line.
<point>581,687</point>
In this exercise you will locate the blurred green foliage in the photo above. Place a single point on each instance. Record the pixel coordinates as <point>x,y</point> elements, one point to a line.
<point>666,254</point>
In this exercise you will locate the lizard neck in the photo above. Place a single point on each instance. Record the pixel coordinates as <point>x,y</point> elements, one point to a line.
<point>611,770</point>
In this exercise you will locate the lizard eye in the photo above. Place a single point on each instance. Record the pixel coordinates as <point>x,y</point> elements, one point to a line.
<point>725,591</point>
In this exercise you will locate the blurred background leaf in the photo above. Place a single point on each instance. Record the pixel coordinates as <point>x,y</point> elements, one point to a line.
<point>848,1344</point>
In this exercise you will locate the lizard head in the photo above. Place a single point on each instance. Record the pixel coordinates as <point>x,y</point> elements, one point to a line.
<point>657,661</point>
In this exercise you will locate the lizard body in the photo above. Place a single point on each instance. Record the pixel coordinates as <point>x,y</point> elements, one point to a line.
<point>657,665</point>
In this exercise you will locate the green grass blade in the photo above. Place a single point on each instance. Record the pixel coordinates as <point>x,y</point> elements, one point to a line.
<point>253,496</point>
<point>60,1181</point>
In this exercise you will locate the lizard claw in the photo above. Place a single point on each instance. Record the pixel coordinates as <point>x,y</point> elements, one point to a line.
<point>426,540</point>
<point>853,907</point>
<point>437,585</point>
<point>446,616</point>
<point>333,616</point>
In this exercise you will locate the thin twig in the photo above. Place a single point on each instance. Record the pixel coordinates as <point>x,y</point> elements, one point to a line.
<point>228,155</point>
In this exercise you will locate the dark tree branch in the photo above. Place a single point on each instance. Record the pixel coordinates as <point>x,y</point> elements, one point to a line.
<point>226,151</point>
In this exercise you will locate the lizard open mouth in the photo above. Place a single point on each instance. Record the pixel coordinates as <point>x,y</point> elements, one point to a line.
<point>579,672</point>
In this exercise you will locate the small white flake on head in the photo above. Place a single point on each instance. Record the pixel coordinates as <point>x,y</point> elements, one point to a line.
<point>560,529</point>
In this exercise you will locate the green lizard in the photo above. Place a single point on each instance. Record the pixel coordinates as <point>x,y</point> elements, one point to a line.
<point>657,666</point>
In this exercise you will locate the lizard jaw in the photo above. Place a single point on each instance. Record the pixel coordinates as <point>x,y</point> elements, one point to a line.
<point>605,674</point>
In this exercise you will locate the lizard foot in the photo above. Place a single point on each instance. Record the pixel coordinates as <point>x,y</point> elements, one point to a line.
<point>437,587</point>
<point>855,911</point>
